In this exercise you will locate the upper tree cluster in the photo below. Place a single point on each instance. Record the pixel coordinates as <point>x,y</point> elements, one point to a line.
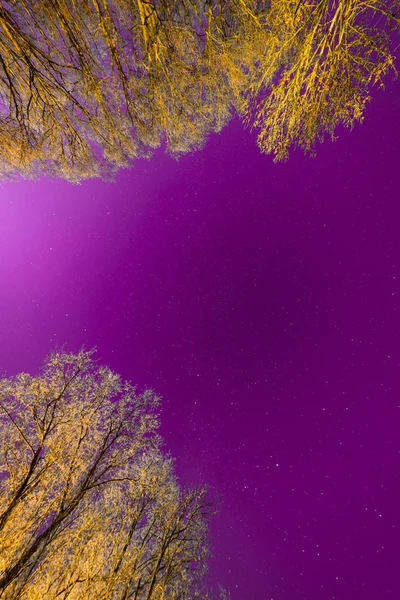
<point>86,87</point>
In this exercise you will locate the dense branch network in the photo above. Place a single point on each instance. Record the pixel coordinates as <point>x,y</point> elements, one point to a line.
<point>90,508</point>
<point>87,87</point>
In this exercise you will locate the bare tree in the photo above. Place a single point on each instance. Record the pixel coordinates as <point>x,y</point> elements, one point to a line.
<point>89,506</point>
<point>86,88</point>
<point>323,58</point>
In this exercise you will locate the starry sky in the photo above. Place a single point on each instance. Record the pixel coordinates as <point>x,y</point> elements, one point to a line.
<point>261,301</point>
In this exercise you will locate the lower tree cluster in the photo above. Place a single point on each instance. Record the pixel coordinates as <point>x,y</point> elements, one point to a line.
<point>90,507</point>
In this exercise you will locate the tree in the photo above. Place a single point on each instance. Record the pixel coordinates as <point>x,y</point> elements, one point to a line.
<point>324,56</point>
<point>86,88</point>
<point>90,507</point>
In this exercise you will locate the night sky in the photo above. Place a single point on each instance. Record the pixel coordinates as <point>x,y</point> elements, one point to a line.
<point>261,301</point>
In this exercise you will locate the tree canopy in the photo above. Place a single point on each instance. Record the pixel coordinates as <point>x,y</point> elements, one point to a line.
<point>90,507</point>
<point>86,88</point>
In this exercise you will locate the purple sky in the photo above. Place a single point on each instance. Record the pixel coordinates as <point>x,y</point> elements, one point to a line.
<point>261,301</point>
